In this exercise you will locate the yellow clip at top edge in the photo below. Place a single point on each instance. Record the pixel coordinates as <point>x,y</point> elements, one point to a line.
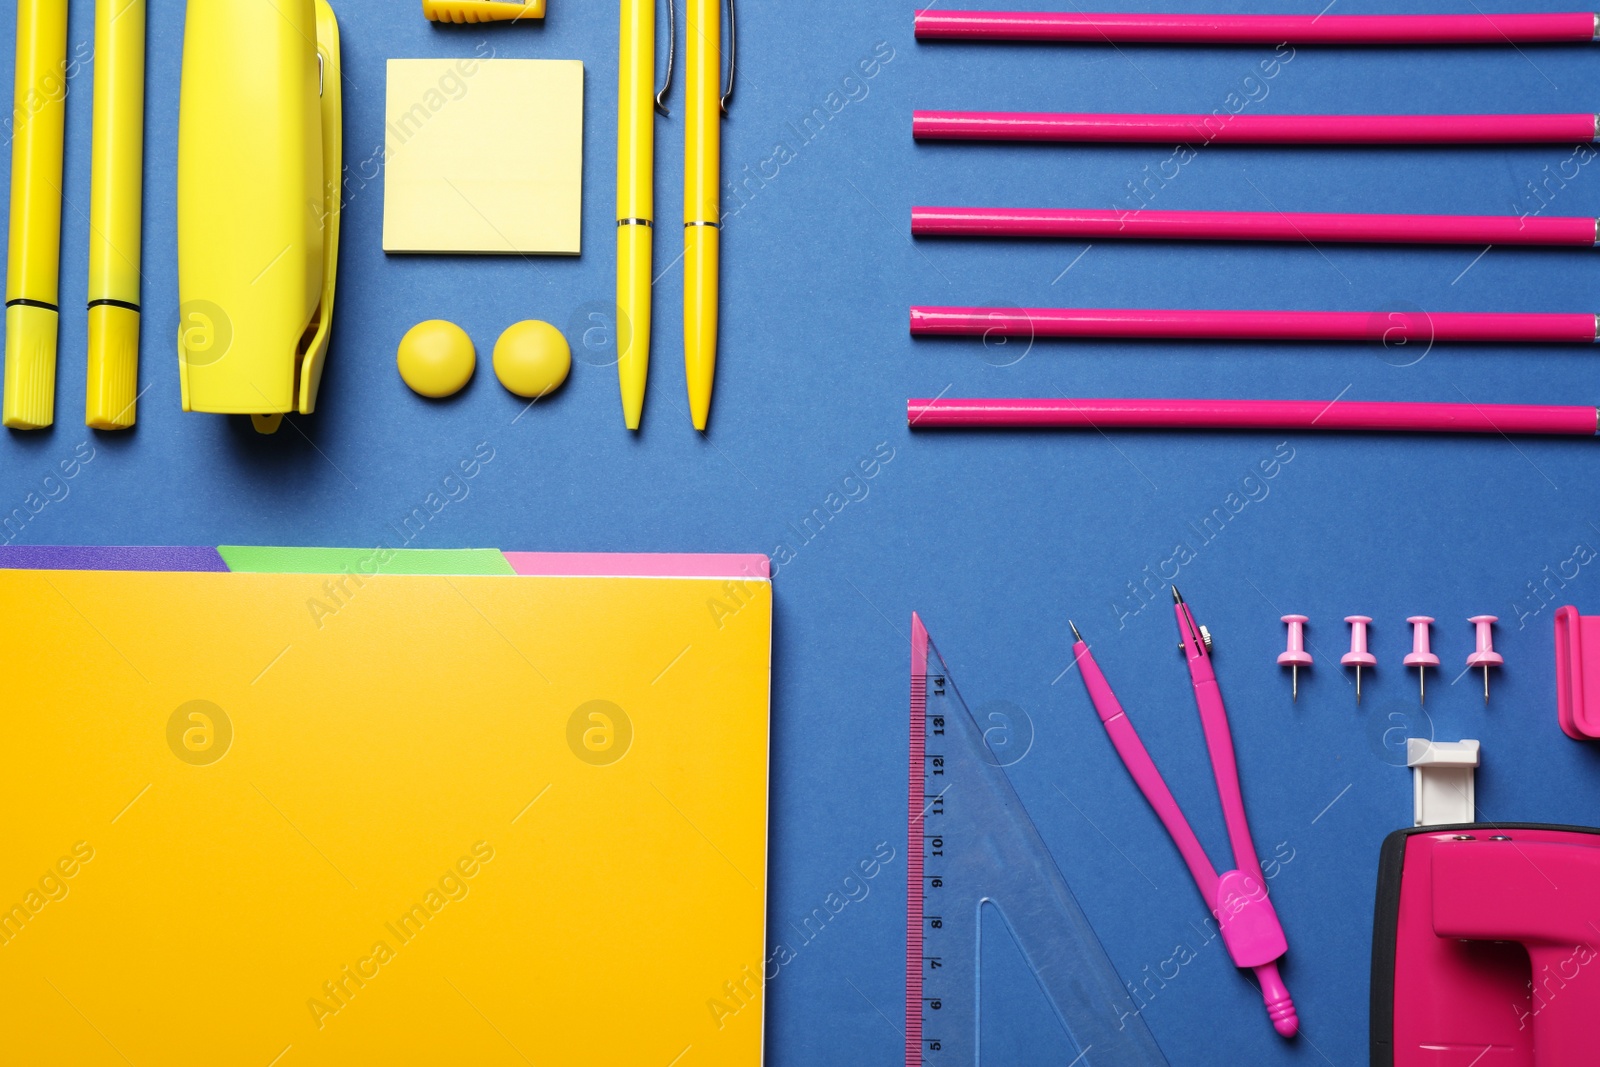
<point>481,10</point>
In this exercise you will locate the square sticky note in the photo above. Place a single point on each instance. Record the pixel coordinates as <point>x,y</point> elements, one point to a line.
<point>483,155</point>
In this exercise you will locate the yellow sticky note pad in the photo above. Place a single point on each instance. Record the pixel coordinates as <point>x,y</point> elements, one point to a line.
<point>483,155</point>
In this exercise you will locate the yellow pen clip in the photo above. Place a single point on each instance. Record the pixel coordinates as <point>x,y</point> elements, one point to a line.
<point>733,58</point>
<point>259,187</point>
<point>481,10</point>
<point>672,48</point>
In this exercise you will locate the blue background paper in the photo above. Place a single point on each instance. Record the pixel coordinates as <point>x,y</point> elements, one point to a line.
<point>995,538</point>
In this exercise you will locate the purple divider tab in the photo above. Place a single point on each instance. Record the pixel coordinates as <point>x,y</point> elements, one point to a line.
<point>110,558</point>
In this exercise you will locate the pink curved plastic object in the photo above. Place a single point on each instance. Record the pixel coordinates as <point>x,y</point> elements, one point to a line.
<point>1252,226</point>
<point>1480,28</point>
<point>1251,129</point>
<point>1420,655</point>
<point>1358,656</point>
<point>1389,327</point>
<point>1296,654</point>
<point>1102,414</point>
<point>1577,688</point>
<point>1485,656</point>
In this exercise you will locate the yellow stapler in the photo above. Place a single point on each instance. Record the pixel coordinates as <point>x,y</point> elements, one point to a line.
<point>259,162</point>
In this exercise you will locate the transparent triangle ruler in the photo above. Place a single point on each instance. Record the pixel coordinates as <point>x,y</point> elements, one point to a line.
<point>971,845</point>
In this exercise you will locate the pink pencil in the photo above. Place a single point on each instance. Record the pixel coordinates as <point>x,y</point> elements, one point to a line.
<point>1477,28</point>
<point>1253,129</point>
<point>1389,327</point>
<point>1254,226</point>
<point>1101,413</point>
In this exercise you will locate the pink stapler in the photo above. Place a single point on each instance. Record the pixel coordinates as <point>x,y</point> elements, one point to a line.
<point>1485,945</point>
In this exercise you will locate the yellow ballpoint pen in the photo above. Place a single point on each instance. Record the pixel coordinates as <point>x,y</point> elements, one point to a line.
<point>702,195</point>
<point>115,202</point>
<point>636,140</point>
<point>33,267</point>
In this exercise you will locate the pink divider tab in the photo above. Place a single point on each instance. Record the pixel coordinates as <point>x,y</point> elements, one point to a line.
<point>640,565</point>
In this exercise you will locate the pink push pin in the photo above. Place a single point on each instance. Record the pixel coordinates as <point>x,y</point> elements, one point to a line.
<point>1358,656</point>
<point>1486,656</point>
<point>1420,657</point>
<point>1296,656</point>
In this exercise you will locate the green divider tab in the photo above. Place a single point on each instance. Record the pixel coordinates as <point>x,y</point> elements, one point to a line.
<point>435,561</point>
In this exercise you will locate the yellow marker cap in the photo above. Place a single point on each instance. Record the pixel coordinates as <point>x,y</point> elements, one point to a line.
<point>481,10</point>
<point>532,359</point>
<point>113,367</point>
<point>30,366</point>
<point>436,358</point>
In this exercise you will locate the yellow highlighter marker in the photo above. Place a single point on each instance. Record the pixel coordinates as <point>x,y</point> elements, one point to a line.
<point>116,197</point>
<point>702,198</point>
<point>33,268</point>
<point>635,200</point>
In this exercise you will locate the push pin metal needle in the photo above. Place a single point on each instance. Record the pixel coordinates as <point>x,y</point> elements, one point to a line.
<point>1358,656</point>
<point>1296,656</point>
<point>1420,657</point>
<point>1485,656</point>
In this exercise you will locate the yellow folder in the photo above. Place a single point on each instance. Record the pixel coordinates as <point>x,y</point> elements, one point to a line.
<point>470,820</point>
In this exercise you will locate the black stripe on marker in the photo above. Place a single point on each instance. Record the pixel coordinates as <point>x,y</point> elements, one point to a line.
<point>108,302</point>
<point>24,302</point>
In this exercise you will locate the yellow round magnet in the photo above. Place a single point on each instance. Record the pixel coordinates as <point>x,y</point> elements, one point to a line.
<point>532,359</point>
<point>436,358</point>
